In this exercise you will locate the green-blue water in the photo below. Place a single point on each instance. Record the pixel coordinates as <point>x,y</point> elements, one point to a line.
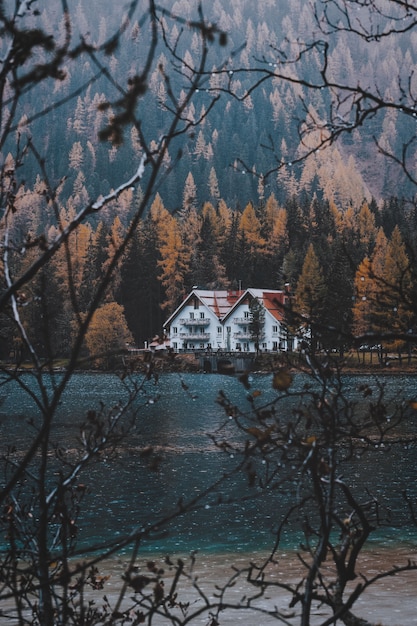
<point>174,418</point>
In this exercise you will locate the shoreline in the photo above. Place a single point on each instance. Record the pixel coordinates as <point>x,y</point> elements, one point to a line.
<point>390,602</point>
<point>355,362</point>
<point>267,363</point>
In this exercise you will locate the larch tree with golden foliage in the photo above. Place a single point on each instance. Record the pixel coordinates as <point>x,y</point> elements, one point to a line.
<point>108,335</point>
<point>310,298</point>
<point>383,305</point>
<point>396,296</point>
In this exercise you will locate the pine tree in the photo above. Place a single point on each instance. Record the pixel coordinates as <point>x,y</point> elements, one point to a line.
<point>384,288</point>
<point>275,233</point>
<point>364,304</point>
<point>208,271</point>
<point>190,193</point>
<point>140,288</point>
<point>230,251</point>
<point>397,290</point>
<point>95,259</point>
<point>337,317</point>
<point>174,267</point>
<point>173,257</point>
<point>76,156</point>
<point>366,228</point>
<point>310,298</point>
<point>213,185</point>
<point>256,322</point>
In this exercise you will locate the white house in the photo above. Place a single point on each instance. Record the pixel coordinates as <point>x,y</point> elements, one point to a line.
<point>223,320</point>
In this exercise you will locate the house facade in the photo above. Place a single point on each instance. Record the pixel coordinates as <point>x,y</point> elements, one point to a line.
<point>233,321</point>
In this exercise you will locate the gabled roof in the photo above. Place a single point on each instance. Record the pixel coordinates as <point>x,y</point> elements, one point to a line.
<point>223,302</point>
<point>273,301</point>
<point>217,301</point>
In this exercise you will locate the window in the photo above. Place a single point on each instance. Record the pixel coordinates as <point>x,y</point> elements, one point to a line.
<point>264,346</point>
<point>246,315</point>
<point>196,304</point>
<point>191,316</point>
<point>175,330</point>
<point>275,345</point>
<point>275,329</point>
<point>219,330</point>
<point>202,315</point>
<point>175,346</point>
<point>238,346</point>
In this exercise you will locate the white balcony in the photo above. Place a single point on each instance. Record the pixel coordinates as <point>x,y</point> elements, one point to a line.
<point>241,320</point>
<point>242,335</point>
<point>198,321</point>
<point>195,336</point>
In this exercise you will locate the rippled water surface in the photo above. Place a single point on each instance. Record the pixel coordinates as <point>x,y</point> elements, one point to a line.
<point>175,417</point>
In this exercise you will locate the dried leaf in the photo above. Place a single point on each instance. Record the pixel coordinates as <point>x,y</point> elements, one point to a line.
<point>310,441</point>
<point>282,380</point>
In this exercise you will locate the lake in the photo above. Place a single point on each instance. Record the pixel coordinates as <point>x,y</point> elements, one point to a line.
<point>174,417</point>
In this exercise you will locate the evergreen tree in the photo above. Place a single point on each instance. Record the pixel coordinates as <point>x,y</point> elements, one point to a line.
<point>174,266</point>
<point>213,185</point>
<point>366,228</point>
<point>230,252</point>
<point>310,299</point>
<point>173,256</point>
<point>95,259</point>
<point>256,322</point>
<point>252,247</point>
<point>384,292</point>
<point>337,316</point>
<point>364,304</point>
<point>140,288</point>
<point>397,291</point>
<point>189,194</point>
<point>208,271</point>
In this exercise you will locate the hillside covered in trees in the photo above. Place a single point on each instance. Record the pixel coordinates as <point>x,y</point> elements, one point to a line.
<point>240,207</point>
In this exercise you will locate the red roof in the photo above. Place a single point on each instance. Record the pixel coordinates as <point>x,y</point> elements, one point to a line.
<point>221,302</point>
<point>274,302</point>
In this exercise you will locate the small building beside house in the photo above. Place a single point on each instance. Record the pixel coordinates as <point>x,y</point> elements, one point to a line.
<point>232,321</point>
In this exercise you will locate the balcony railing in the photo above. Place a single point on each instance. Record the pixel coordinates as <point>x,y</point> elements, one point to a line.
<point>242,335</point>
<point>195,336</point>
<point>198,321</point>
<point>241,320</point>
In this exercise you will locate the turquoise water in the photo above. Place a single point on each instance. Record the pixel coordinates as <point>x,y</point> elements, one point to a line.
<point>175,418</point>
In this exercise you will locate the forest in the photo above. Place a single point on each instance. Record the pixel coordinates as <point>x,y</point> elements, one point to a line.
<point>243,207</point>
<point>338,264</point>
<point>147,148</point>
